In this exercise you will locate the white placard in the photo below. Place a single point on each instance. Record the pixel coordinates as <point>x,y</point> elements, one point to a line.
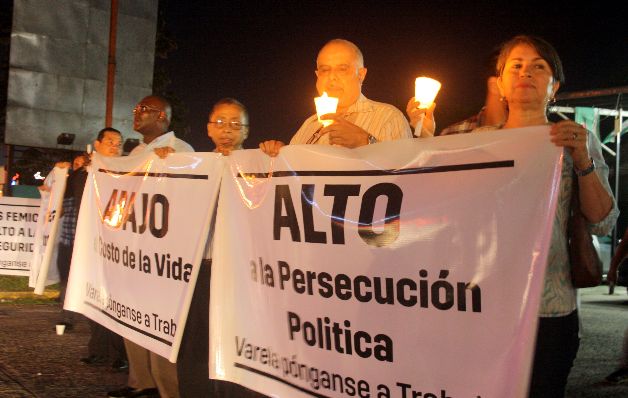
<point>400,268</point>
<point>140,238</point>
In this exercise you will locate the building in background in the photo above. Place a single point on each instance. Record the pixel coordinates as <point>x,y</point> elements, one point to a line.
<point>58,69</point>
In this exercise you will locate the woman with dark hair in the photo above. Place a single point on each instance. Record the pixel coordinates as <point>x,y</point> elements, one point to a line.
<point>529,74</point>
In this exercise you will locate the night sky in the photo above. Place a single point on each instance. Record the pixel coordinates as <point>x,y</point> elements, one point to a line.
<point>263,53</point>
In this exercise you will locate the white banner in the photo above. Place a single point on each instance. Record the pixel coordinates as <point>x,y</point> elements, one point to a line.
<point>140,237</point>
<point>44,269</point>
<point>404,269</point>
<point>18,221</point>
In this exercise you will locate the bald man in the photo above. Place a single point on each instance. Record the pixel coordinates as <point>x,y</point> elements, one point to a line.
<point>358,121</point>
<point>151,118</point>
<point>150,374</point>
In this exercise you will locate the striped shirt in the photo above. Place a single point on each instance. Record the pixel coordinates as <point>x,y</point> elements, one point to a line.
<point>382,121</point>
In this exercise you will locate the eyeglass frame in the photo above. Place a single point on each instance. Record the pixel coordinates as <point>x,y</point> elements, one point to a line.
<point>327,70</point>
<point>137,109</point>
<point>234,124</point>
<point>315,137</point>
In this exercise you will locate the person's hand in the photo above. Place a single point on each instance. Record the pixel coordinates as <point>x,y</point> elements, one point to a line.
<point>44,188</point>
<point>63,165</point>
<point>425,117</point>
<point>271,147</point>
<point>344,133</point>
<point>225,150</point>
<point>164,151</point>
<point>575,138</point>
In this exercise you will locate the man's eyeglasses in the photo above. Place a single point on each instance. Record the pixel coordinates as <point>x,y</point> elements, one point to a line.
<point>340,70</point>
<point>315,137</point>
<point>234,124</point>
<point>145,108</point>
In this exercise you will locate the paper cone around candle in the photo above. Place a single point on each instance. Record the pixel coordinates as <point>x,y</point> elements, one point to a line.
<point>425,90</point>
<point>324,105</point>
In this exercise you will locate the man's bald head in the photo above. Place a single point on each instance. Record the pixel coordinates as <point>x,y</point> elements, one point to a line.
<point>340,72</point>
<point>152,116</point>
<point>161,103</point>
<point>359,58</point>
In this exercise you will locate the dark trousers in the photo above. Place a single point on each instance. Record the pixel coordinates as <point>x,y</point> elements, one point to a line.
<point>64,259</point>
<point>192,362</point>
<point>102,341</point>
<point>557,344</point>
<point>105,343</point>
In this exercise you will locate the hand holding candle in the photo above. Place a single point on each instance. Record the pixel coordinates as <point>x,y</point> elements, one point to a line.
<point>420,108</point>
<point>324,105</point>
<point>425,90</point>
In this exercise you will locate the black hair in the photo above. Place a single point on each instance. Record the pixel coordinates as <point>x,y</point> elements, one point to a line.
<point>101,133</point>
<point>545,50</point>
<point>230,101</point>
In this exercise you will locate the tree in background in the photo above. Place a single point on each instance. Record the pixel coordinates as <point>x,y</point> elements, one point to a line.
<point>164,45</point>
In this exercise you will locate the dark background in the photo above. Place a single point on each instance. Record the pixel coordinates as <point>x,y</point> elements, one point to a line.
<point>263,53</point>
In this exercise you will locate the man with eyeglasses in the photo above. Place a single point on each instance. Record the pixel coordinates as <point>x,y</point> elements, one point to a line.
<point>228,125</point>
<point>358,121</point>
<point>151,374</point>
<point>151,118</point>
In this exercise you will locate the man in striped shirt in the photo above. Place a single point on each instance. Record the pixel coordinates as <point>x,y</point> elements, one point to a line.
<point>358,121</point>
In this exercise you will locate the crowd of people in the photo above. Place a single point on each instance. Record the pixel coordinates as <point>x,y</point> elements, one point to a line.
<point>528,73</point>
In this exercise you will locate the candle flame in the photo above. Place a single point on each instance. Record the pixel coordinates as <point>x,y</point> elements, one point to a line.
<point>115,218</point>
<point>324,105</point>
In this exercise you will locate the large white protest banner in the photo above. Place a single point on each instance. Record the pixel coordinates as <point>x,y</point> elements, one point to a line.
<point>18,222</point>
<point>44,269</point>
<point>140,237</point>
<point>404,269</point>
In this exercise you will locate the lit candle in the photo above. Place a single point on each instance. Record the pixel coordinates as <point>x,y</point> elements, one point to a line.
<point>425,90</point>
<point>324,105</point>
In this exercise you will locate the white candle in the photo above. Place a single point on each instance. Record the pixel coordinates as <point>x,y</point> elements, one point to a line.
<point>425,90</point>
<point>324,105</point>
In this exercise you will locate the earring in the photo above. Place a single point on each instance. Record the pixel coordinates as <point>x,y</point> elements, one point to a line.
<point>502,99</point>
